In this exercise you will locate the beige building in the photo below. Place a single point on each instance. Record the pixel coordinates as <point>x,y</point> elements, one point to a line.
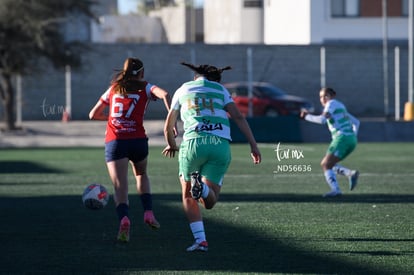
<point>270,22</point>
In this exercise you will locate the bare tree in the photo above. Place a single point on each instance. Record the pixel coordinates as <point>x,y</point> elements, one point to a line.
<point>30,33</point>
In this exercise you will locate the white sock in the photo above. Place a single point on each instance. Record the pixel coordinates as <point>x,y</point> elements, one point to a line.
<point>331,180</point>
<point>341,170</point>
<point>198,231</point>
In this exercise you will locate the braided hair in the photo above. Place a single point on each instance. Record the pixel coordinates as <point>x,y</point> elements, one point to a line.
<point>210,72</point>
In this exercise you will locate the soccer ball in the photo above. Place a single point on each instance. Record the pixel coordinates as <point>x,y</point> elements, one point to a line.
<point>95,196</point>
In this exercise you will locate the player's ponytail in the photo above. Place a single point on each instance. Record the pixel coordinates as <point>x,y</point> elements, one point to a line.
<point>212,73</point>
<point>132,68</point>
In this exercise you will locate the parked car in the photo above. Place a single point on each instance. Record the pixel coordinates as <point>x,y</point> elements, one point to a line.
<point>267,100</point>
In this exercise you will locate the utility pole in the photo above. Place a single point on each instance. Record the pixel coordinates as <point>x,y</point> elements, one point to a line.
<point>409,106</point>
<point>410,49</point>
<point>385,56</point>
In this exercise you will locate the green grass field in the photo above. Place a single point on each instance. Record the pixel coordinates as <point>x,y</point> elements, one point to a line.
<point>265,222</point>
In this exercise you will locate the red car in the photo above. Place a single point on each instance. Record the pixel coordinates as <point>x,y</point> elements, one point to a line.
<point>267,100</point>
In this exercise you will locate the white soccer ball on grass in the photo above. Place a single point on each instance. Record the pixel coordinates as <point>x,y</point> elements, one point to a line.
<point>95,196</point>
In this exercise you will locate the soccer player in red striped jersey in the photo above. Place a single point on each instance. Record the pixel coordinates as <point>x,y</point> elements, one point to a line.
<point>125,139</point>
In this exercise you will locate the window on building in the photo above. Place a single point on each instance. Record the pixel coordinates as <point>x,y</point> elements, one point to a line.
<point>253,3</point>
<point>344,8</point>
<point>404,8</point>
<point>368,8</point>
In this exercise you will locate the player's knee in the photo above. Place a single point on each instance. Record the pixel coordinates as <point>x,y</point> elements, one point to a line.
<point>325,161</point>
<point>327,165</point>
<point>209,206</point>
<point>189,202</point>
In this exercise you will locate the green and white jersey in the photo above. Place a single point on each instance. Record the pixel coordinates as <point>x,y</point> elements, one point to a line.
<point>339,120</point>
<point>201,103</point>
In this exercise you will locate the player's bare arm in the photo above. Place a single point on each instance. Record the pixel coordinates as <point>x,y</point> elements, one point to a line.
<point>162,94</point>
<point>169,134</point>
<point>97,112</point>
<point>245,129</point>
<point>165,96</point>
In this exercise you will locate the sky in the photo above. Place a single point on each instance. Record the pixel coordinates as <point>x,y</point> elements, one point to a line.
<point>127,6</point>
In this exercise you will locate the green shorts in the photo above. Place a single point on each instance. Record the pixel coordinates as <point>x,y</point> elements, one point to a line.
<point>209,155</point>
<point>342,146</point>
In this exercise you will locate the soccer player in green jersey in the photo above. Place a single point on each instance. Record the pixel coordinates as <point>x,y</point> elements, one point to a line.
<point>344,128</point>
<point>204,154</point>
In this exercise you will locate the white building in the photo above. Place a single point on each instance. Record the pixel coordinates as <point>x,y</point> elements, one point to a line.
<point>271,22</point>
<point>182,23</point>
<point>233,21</point>
<point>302,22</point>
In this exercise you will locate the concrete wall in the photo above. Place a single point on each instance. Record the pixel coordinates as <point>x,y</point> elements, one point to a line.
<point>115,29</point>
<point>355,71</point>
<point>370,130</point>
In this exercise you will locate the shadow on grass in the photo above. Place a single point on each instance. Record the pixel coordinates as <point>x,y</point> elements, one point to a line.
<point>22,167</point>
<point>346,198</point>
<point>372,240</point>
<point>372,253</point>
<point>58,235</point>
<point>368,252</point>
